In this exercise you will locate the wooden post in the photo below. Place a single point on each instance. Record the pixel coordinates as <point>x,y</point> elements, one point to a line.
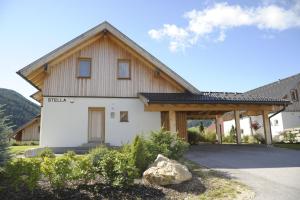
<point>172,123</point>
<point>267,127</point>
<point>237,126</point>
<point>218,129</point>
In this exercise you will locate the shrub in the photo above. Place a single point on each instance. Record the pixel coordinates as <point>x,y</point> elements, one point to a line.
<point>193,137</point>
<point>58,171</point>
<point>83,169</point>
<point>46,152</point>
<point>259,138</point>
<point>23,172</point>
<point>5,130</point>
<point>210,137</point>
<point>166,143</point>
<point>252,139</point>
<point>97,154</point>
<point>289,137</point>
<point>138,153</point>
<point>246,139</point>
<point>117,168</point>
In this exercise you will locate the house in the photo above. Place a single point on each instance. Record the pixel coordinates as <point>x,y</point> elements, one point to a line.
<point>102,87</point>
<point>287,88</point>
<point>29,131</point>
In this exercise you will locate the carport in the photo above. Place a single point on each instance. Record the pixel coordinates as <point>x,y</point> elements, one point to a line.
<point>176,108</point>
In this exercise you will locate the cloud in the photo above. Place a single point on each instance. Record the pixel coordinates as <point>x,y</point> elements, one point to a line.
<point>218,18</point>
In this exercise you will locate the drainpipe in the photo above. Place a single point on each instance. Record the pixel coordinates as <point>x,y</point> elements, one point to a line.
<point>273,116</point>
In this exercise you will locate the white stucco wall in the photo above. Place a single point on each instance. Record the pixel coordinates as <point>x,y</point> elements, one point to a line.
<point>291,120</point>
<point>244,123</point>
<point>65,124</point>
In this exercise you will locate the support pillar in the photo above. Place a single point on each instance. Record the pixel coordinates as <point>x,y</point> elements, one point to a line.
<point>267,127</point>
<point>237,126</point>
<point>219,129</point>
<point>172,121</point>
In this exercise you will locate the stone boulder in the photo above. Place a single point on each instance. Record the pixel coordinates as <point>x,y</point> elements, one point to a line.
<point>165,171</point>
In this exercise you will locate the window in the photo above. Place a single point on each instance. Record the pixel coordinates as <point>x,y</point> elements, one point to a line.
<point>276,122</point>
<point>84,68</point>
<point>123,116</point>
<point>294,95</point>
<point>123,69</point>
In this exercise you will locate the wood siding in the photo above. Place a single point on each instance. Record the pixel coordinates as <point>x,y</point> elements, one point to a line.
<point>181,124</point>
<point>105,52</point>
<point>31,132</point>
<point>164,116</point>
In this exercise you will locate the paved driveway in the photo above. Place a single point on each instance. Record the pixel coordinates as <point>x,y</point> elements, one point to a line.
<point>273,173</point>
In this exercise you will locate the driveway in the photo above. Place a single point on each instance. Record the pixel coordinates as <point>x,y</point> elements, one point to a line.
<point>273,173</point>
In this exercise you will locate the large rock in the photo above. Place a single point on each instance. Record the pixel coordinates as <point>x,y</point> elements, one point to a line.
<point>166,172</point>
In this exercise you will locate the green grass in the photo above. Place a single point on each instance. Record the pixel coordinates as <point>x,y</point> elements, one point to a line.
<point>288,146</point>
<point>19,150</point>
<point>218,185</point>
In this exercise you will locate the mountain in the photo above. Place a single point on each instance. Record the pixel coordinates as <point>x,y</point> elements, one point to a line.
<point>20,109</point>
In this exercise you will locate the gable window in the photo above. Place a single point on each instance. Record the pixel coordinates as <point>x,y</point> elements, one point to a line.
<point>294,95</point>
<point>123,116</point>
<point>84,68</point>
<point>124,69</point>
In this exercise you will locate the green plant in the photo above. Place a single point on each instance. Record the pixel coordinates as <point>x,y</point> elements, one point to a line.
<point>59,170</point>
<point>193,137</point>
<point>166,143</point>
<point>289,137</point>
<point>5,130</point>
<point>259,138</point>
<point>252,140</point>
<point>46,152</point>
<point>97,154</point>
<point>246,138</point>
<point>138,154</point>
<point>210,136</point>
<point>83,169</point>
<point>231,138</point>
<point>23,172</point>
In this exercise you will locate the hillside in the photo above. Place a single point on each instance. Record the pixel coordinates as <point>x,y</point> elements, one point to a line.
<point>18,107</point>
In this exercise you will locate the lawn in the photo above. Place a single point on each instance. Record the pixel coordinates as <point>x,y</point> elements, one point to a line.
<point>288,146</point>
<point>19,150</point>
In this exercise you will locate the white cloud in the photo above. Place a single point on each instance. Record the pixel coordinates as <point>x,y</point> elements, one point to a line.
<point>220,17</point>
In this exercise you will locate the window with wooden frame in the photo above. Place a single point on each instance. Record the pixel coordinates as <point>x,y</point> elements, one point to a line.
<point>84,67</point>
<point>123,116</point>
<point>294,95</point>
<point>124,69</point>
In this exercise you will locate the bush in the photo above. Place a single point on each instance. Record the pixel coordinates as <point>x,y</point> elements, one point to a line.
<point>58,171</point>
<point>97,154</point>
<point>289,137</point>
<point>193,137</point>
<point>46,152</point>
<point>252,140</point>
<point>166,143</point>
<point>246,139</point>
<point>117,168</point>
<point>210,137</point>
<point>23,172</point>
<point>138,154</point>
<point>259,138</point>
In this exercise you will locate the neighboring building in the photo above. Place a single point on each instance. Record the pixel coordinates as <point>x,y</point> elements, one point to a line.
<point>29,131</point>
<point>101,87</point>
<point>287,88</point>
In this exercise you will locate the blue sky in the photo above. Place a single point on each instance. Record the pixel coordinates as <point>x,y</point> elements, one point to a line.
<point>215,45</point>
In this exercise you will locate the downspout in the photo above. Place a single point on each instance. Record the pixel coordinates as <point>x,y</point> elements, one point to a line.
<point>273,116</point>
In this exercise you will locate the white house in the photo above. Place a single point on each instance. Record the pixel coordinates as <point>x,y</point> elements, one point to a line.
<point>102,87</point>
<point>287,88</point>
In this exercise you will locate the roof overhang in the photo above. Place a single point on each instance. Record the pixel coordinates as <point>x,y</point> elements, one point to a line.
<point>26,125</point>
<point>36,71</point>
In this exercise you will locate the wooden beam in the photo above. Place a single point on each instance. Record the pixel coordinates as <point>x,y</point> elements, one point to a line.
<point>172,123</point>
<point>218,120</point>
<point>209,107</point>
<point>267,127</point>
<point>237,127</point>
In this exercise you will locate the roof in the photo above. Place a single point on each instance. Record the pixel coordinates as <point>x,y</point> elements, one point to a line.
<point>279,89</point>
<point>209,98</point>
<point>26,125</point>
<point>103,27</point>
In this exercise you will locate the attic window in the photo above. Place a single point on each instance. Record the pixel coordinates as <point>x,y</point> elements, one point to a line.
<point>84,68</point>
<point>294,95</point>
<point>124,69</point>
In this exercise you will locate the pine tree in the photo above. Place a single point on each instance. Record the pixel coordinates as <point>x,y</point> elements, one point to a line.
<point>5,130</point>
<point>139,154</point>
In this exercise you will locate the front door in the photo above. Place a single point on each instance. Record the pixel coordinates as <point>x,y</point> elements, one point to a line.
<point>96,125</point>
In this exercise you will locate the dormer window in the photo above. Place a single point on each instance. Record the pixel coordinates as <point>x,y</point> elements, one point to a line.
<point>84,68</point>
<point>294,95</point>
<point>124,71</point>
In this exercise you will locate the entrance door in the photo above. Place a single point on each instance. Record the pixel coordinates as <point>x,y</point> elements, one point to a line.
<point>96,125</point>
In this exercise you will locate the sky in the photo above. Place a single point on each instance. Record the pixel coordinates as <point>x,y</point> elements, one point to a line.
<point>232,46</point>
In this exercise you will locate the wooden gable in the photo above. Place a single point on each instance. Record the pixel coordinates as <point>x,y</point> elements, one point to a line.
<point>104,53</point>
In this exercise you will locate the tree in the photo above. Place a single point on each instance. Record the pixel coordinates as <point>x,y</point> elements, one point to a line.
<point>5,130</point>
<point>201,128</point>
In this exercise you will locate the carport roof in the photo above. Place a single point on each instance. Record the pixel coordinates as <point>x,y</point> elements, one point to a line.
<point>209,98</point>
